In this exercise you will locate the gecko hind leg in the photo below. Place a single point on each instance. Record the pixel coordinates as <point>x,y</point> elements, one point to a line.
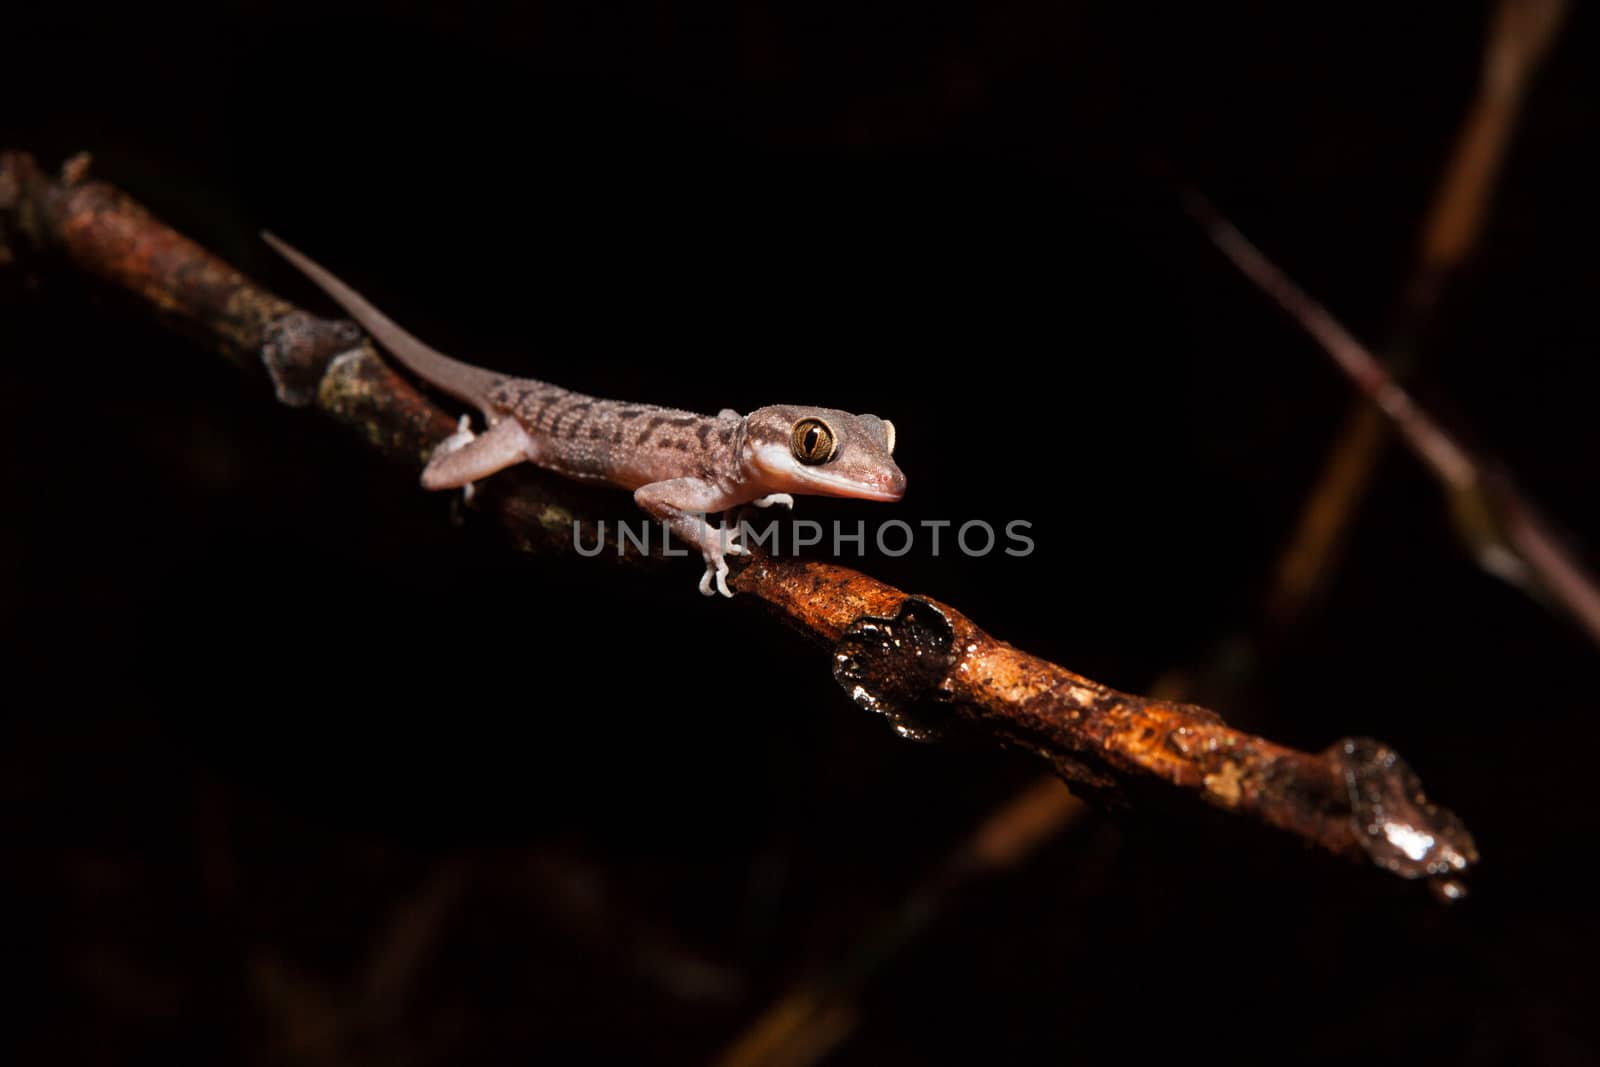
<point>463,458</point>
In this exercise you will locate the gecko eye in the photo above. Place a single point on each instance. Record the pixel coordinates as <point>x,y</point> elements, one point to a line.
<point>813,442</point>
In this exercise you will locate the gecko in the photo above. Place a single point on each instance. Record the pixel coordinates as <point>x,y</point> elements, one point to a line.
<point>679,465</point>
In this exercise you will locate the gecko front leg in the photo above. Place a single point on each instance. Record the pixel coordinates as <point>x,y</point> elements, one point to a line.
<point>681,504</point>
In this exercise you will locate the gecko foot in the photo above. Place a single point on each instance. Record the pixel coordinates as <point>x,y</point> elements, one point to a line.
<point>782,500</point>
<point>728,540</point>
<point>458,440</point>
<point>715,568</point>
<point>454,443</point>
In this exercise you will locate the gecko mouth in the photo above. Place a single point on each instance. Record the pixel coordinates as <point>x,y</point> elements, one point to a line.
<point>880,482</point>
<point>887,490</point>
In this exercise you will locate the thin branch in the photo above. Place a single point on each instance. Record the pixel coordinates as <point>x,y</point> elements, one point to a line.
<point>1447,460</point>
<point>1507,536</point>
<point>921,663</point>
<point>1519,36</point>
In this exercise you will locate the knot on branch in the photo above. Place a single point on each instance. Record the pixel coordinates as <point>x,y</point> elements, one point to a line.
<point>897,667</point>
<point>296,349</point>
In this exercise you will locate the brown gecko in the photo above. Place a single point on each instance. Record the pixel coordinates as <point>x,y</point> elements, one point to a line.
<point>680,466</point>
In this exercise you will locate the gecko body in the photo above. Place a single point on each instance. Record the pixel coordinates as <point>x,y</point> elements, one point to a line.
<point>680,466</point>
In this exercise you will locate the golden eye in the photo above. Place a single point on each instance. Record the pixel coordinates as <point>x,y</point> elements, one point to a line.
<point>813,442</point>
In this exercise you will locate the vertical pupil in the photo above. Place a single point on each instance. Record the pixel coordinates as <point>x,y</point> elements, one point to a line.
<point>813,438</point>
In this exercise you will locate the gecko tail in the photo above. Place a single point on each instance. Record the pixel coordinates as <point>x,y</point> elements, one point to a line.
<point>461,380</point>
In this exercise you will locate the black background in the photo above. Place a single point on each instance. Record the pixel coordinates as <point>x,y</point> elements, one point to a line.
<point>262,689</point>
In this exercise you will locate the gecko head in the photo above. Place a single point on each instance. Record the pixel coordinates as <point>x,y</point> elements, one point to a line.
<point>822,452</point>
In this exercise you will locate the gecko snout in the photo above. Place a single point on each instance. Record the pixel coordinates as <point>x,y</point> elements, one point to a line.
<point>894,483</point>
<point>887,485</point>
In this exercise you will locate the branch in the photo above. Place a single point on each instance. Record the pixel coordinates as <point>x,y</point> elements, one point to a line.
<point>924,665</point>
<point>1519,35</point>
<point>1506,534</point>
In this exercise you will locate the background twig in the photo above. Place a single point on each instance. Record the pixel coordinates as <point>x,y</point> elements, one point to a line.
<point>1519,34</point>
<point>1508,538</point>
